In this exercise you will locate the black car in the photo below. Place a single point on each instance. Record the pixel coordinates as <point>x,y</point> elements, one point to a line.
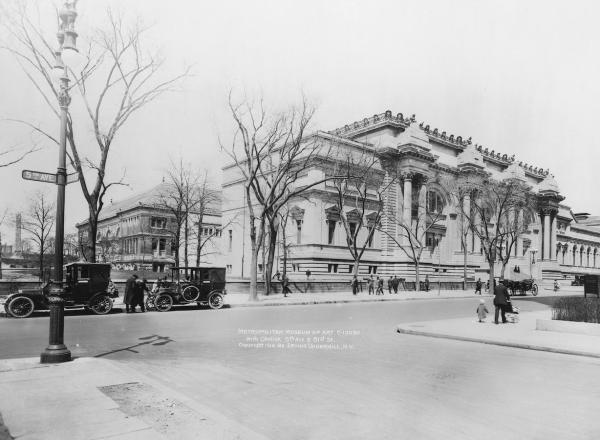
<point>87,285</point>
<point>200,285</point>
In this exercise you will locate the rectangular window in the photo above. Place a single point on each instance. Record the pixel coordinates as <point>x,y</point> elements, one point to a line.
<point>373,270</point>
<point>229,268</point>
<point>332,268</point>
<point>299,231</point>
<point>158,222</point>
<point>350,267</point>
<point>331,231</point>
<point>371,235</point>
<point>155,246</point>
<point>260,267</point>
<point>162,247</point>
<point>352,229</point>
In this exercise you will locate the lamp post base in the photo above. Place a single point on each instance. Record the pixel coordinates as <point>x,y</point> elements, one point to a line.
<point>55,354</point>
<point>57,351</point>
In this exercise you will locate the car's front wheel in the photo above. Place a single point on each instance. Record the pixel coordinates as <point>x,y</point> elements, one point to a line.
<point>101,304</point>
<point>20,307</point>
<point>163,303</point>
<point>215,301</point>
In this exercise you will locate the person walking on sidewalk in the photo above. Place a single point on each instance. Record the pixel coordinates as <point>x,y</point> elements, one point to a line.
<point>138,297</point>
<point>426,283</point>
<point>482,310</point>
<point>478,286</point>
<point>501,299</point>
<point>371,284</point>
<point>354,284</point>
<point>129,292</point>
<point>285,282</point>
<point>396,282</point>
<point>390,284</point>
<point>379,286</point>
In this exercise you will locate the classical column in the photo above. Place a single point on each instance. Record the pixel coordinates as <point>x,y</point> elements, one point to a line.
<point>467,210</point>
<point>422,210</point>
<point>519,244</point>
<point>553,238</point>
<point>388,223</point>
<point>546,236</point>
<point>407,217</point>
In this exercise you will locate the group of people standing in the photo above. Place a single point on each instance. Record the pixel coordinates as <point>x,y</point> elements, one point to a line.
<point>375,285</point>
<point>134,293</point>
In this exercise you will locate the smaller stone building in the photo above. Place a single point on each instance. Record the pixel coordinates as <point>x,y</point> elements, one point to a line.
<point>137,233</point>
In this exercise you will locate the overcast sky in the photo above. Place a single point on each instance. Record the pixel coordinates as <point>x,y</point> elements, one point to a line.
<point>520,77</point>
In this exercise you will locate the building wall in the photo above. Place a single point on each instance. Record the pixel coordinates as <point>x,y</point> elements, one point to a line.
<point>422,153</point>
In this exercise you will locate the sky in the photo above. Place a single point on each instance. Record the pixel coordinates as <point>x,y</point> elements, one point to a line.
<point>519,77</point>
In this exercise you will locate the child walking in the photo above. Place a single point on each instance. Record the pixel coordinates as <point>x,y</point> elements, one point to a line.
<point>482,311</point>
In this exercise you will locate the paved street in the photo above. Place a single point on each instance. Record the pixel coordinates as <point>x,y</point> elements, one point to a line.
<point>368,382</point>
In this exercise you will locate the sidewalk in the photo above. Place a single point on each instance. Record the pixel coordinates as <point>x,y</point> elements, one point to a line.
<point>522,334</point>
<point>242,300</point>
<point>92,398</point>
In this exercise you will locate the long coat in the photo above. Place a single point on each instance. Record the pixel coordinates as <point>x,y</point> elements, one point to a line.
<point>129,290</point>
<point>501,295</point>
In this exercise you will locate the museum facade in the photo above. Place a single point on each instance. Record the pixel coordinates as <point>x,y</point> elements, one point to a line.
<point>558,244</point>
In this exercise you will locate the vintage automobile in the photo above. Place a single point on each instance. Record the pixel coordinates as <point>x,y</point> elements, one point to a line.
<point>200,285</point>
<point>87,285</point>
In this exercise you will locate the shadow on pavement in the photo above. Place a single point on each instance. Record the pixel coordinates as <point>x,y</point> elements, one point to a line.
<point>146,340</point>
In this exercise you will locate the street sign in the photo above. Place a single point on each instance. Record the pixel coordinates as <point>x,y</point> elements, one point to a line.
<point>73,177</point>
<point>39,176</point>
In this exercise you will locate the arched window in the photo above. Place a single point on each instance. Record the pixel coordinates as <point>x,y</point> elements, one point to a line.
<point>435,202</point>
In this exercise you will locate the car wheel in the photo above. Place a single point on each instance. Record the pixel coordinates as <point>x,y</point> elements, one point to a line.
<point>215,301</point>
<point>20,307</point>
<point>101,305</point>
<point>163,303</point>
<point>534,289</point>
<point>150,303</point>
<point>190,293</point>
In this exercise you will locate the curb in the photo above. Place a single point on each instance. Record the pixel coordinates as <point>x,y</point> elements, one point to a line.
<point>499,343</point>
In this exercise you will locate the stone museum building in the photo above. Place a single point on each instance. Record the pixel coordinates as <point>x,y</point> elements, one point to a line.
<point>558,244</point>
<point>137,233</point>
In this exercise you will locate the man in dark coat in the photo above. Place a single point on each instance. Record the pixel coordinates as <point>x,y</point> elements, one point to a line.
<point>501,299</point>
<point>130,290</point>
<point>141,286</point>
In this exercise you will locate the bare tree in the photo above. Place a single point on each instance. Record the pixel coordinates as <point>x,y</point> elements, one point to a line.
<point>411,237</point>
<point>2,219</point>
<point>271,152</point>
<point>117,79</point>
<point>13,155</point>
<point>497,213</point>
<point>359,191</point>
<point>38,221</point>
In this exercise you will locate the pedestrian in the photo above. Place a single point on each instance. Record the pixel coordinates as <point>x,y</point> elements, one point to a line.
<point>129,292</point>
<point>285,282</point>
<point>482,310</point>
<point>141,286</point>
<point>556,286</point>
<point>396,282</point>
<point>390,284</point>
<point>354,284</point>
<point>478,286</point>
<point>501,299</point>
<point>379,286</point>
<point>426,283</point>
<point>371,285</point>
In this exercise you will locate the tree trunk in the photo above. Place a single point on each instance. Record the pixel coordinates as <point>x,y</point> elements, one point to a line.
<point>491,280</point>
<point>0,255</point>
<point>504,264</point>
<point>464,266</point>
<point>356,267</point>
<point>270,257</point>
<point>417,278</point>
<point>199,244</point>
<point>186,237</point>
<point>253,268</point>
<point>41,263</point>
<point>93,220</point>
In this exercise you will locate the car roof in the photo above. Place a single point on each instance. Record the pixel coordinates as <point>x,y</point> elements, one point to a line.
<point>87,264</point>
<point>194,267</point>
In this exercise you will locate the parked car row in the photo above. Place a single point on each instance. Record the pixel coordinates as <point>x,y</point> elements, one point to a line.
<point>88,286</point>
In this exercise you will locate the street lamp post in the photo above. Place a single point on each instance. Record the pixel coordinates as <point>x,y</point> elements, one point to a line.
<point>57,351</point>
